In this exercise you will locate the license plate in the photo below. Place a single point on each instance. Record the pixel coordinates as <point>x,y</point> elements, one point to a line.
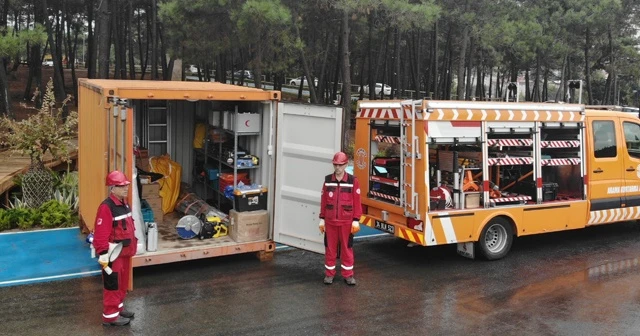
<point>385,227</point>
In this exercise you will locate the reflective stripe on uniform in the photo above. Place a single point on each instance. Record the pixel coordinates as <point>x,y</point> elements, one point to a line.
<point>329,267</point>
<point>120,305</point>
<point>111,315</point>
<point>331,184</point>
<point>348,268</point>
<point>122,217</point>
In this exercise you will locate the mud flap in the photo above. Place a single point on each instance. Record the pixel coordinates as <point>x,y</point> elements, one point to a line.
<point>466,250</point>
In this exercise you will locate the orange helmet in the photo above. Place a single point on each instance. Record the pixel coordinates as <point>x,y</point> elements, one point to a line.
<point>117,178</point>
<point>340,158</point>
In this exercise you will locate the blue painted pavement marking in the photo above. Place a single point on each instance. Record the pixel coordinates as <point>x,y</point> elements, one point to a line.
<point>44,255</point>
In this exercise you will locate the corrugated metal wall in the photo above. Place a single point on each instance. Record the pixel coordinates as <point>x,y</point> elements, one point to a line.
<point>181,130</point>
<point>92,152</point>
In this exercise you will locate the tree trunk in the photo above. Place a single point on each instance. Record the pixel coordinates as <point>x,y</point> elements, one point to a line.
<point>469,68</point>
<point>90,60</point>
<point>346,80</point>
<point>545,85</point>
<point>527,90</point>
<point>104,43</point>
<point>307,72</point>
<point>461,62</point>
<point>336,73</point>
<point>154,39</point>
<point>132,65</point>
<point>587,70</point>
<point>5,104</point>
<point>536,84</point>
<point>434,62</point>
<point>395,87</point>
<point>58,82</point>
<point>564,64</point>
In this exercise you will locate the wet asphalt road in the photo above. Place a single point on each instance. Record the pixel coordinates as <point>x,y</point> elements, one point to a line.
<point>573,283</point>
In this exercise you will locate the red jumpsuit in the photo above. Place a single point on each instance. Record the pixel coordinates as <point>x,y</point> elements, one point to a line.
<point>114,224</point>
<point>339,207</point>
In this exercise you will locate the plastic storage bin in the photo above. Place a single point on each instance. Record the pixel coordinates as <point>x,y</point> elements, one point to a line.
<point>250,200</point>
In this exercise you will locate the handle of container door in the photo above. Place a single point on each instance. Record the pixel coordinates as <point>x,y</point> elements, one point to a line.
<point>630,169</point>
<point>598,170</point>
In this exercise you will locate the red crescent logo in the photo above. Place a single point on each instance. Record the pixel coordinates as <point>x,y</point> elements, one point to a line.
<point>246,123</point>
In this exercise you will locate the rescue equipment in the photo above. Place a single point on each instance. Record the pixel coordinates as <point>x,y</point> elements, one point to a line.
<point>112,254</point>
<point>212,227</point>
<point>189,227</point>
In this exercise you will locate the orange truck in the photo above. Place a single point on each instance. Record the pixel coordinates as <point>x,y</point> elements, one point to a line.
<point>478,174</point>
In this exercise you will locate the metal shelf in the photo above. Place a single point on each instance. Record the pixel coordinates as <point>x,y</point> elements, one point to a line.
<point>223,162</point>
<point>239,133</point>
<point>387,181</point>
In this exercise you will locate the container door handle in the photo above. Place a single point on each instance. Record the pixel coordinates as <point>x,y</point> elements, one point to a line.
<point>630,169</point>
<point>598,170</point>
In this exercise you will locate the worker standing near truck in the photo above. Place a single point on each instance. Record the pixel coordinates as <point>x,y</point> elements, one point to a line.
<point>114,224</point>
<point>340,211</point>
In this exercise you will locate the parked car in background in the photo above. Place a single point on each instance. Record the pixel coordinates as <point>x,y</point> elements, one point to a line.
<point>192,69</point>
<point>247,74</point>
<point>387,89</point>
<point>48,63</point>
<point>296,82</point>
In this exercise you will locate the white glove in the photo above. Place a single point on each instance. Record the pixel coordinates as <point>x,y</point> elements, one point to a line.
<point>355,227</point>
<point>321,226</point>
<point>103,260</point>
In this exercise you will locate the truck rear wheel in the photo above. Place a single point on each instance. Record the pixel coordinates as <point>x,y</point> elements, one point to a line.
<point>496,239</point>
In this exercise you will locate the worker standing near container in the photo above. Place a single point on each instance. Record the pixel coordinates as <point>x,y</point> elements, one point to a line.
<point>114,224</point>
<point>340,211</point>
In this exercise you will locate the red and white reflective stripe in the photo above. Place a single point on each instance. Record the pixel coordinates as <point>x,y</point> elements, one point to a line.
<point>388,139</point>
<point>511,161</point>
<point>559,144</point>
<point>560,162</point>
<point>385,196</point>
<point>347,267</point>
<point>120,305</point>
<point>509,142</point>
<point>329,267</point>
<point>385,113</point>
<point>122,216</point>
<point>111,315</point>
<point>510,199</point>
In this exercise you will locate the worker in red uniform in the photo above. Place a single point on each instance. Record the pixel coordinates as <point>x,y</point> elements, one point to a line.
<point>114,224</point>
<point>340,211</point>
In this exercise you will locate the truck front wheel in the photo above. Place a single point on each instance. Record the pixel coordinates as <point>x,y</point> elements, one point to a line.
<point>496,239</point>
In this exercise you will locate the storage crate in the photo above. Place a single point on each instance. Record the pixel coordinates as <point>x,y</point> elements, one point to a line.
<point>471,200</point>
<point>250,200</point>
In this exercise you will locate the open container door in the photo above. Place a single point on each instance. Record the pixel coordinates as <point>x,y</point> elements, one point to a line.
<point>307,138</point>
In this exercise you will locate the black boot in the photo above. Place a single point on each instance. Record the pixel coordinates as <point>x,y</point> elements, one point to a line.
<point>120,321</point>
<point>127,314</point>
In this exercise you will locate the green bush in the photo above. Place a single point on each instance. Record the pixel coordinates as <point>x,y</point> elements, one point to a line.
<point>55,214</point>
<point>24,218</point>
<point>5,220</point>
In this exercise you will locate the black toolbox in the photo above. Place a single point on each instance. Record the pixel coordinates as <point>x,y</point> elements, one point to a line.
<point>549,190</point>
